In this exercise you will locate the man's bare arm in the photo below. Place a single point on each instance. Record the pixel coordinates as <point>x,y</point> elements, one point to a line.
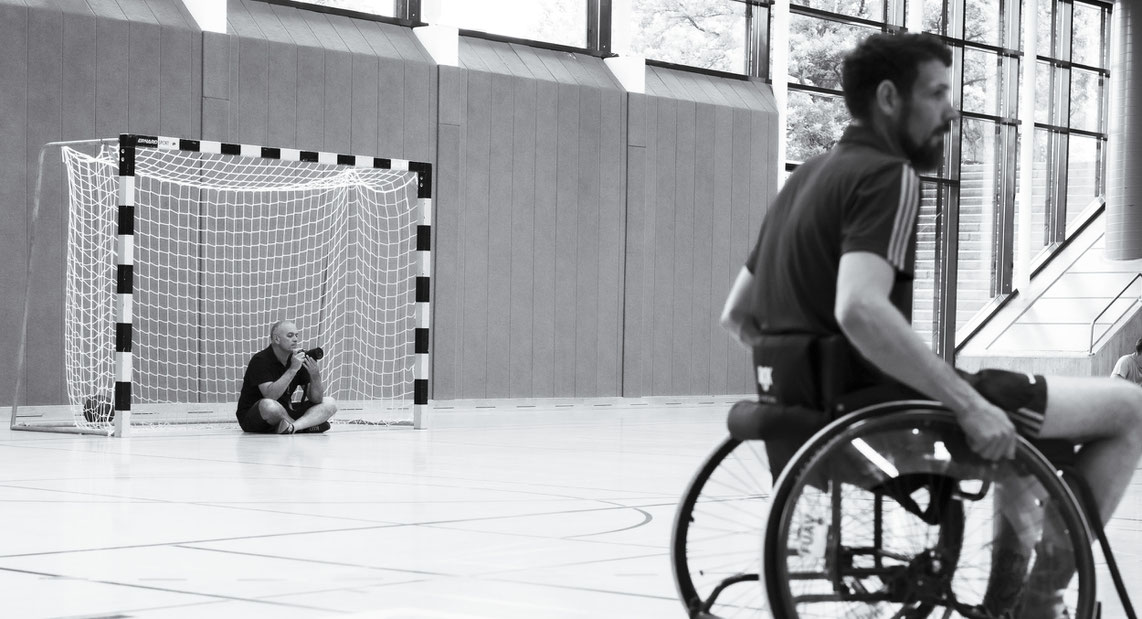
<point>881,333</point>
<point>275,389</point>
<point>735,315</point>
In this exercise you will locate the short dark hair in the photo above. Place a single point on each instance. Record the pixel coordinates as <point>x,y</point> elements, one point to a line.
<point>893,57</point>
<point>1138,346</point>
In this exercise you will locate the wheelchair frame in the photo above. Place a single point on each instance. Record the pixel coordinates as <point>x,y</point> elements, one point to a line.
<point>703,605</point>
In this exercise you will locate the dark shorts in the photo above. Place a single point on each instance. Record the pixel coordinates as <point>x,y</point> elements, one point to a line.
<point>1023,396</point>
<point>251,420</point>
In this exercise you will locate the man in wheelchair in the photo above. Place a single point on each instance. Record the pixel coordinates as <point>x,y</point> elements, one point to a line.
<point>825,302</point>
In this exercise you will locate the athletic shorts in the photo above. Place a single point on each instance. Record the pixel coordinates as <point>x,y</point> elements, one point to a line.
<point>251,420</point>
<point>1023,396</point>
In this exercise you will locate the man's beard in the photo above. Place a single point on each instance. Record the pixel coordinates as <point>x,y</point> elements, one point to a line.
<point>928,154</point>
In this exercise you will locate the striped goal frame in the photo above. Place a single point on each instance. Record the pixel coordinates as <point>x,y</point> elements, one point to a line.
<point>129,145</point>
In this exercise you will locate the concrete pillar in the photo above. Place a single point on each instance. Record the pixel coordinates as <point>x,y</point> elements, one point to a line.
<point>1124,157</point>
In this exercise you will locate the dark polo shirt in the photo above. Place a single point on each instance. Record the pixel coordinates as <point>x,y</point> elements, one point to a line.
<point>860,196</point>
<point>264,367</point>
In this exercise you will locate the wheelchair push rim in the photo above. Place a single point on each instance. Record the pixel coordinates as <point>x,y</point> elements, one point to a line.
<point>876,581</point>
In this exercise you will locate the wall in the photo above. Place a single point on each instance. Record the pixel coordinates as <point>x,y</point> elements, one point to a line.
<point>71,71</point>
<point>530,221</point>
<point>702,169</point>
<point>585,239</point>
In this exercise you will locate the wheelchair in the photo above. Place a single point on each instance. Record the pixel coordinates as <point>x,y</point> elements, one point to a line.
<point>884,512</point>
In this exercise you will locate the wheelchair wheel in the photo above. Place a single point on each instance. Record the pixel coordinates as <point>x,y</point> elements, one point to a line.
<point>716,532</point>
<point>891,515</point>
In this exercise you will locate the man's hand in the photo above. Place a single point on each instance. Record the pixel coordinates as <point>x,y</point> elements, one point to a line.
<point>297,360</point>
<point>312,367</point>
<point>989,431</point>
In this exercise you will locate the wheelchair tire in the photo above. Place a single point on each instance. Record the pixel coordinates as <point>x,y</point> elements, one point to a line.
<point>716,531</point>
<point>933,560</point>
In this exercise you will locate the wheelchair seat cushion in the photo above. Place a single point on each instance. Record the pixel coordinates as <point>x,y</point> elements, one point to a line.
<point>783,428</point>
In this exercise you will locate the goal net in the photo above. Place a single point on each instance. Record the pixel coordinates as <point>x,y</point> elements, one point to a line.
<point>179,259</point>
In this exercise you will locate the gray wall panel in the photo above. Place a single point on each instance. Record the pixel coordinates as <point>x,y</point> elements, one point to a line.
<point>365,106</point>
<point>474,224</point>
<point>611,233</point>
<point>296,24</point>
<point>741,234</point>
<point>178,57</point>
<point>378,42</point>
<point>215,119</point>
<point>268,23</point>
<point>708,173</point>
<point>241,22</point>
<point>523,275</point>
<point>347,31</point>
<point>566,205</point>
<point>137,11</point>
<point>282,89</point>
<point>635,272</point>
<point>500,266</point>
<point>310,98</point>
<point>447,252</point>
<point>685,372</point>
<point>14,202</point>
<point>252,103</point>
<point>546,174</point>
<point>419,112</point>
<point>704,307</point>
<point>662,338</point>
<point>44,88</point>
<point>336,100</point>
<point>112,53</point>
<point>586,317</point>
<point>724,265</point>
<point>390,105</point>
<point>216,66</point>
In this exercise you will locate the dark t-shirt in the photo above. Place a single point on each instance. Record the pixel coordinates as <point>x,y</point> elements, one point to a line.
<point>264,367</point>
<point>860,196</point>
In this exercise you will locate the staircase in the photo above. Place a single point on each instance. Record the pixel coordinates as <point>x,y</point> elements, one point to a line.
<point>1046,329</point>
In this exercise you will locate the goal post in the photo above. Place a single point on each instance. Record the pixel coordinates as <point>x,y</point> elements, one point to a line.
<point>180,253</point>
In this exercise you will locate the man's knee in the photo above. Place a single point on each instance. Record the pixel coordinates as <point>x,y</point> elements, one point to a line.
<point>329,406</point>
<point>1132,410</point>
<point>270,410</point>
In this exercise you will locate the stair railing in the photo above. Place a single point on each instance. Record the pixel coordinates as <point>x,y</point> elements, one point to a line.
<point>1108,306</point>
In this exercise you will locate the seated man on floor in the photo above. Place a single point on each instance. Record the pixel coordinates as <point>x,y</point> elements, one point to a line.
<point>282,392</point>
<point>835,259</point>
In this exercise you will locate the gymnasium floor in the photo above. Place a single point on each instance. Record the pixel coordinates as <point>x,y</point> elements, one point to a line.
<point>491,514</point>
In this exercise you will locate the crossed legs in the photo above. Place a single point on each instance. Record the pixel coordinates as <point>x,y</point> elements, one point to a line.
<point>274,414</point>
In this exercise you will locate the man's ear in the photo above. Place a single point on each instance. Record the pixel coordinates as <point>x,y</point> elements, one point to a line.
<point>888,99</point>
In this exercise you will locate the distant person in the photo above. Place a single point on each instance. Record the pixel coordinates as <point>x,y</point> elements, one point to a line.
<point>270,402</point>
<point>1130,366</point>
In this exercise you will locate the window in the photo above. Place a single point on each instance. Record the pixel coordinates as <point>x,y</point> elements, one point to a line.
<point>1042,197</point>
<point>866,9</point>
<point>926,291</point>
<point>698,33</point>
<point>376,7</point>
<point>1086,100</point>
<point>817,47</point>
<point>816,122</point>
<point>1084,156</point>
<point>980,205</point>
<point>983,82</point>
<point>563,22</point>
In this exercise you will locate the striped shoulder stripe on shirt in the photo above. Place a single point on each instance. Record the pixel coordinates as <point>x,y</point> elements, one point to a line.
<point>906,210</point>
